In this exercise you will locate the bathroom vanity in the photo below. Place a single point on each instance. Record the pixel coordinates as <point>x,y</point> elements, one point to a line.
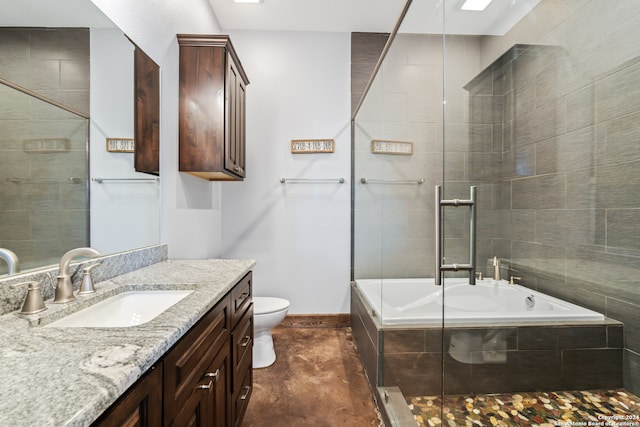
<point>191,363</point>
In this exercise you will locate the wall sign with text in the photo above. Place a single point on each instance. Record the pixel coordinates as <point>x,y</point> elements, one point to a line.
<point>380,146</point>
<point>309,146</point>
<point>121,145</point>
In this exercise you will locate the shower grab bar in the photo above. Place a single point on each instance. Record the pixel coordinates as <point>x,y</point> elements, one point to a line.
<point>392,181</point>
<point>311,180</point>
<point>101,180</point>
<point>471,266</point>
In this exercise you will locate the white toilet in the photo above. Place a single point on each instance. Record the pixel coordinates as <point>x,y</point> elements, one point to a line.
<point>267,313</point>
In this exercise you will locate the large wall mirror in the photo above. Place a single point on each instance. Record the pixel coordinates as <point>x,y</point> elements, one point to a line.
<point>67,173</point>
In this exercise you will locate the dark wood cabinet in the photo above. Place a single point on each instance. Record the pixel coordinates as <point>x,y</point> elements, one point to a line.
<point>205,379</point>
<point>146,114</point>
<point>187,365</point>
<point>208,402</point>
<point>211,108</point>
<point>141,406</point>
<point>241,347</point>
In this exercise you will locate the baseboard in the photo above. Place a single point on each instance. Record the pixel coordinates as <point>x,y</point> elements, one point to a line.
<point>316,321</point>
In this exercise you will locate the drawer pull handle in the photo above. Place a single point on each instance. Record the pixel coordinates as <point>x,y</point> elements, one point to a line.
<point>244,395</point>
<point>247,340</point>
<point>206,386</point>
<point>213,375</point>
<point>243,296</point>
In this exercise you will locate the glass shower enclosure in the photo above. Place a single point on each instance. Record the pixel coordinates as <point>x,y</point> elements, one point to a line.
<point>496,209</point>
<point>44,178</point>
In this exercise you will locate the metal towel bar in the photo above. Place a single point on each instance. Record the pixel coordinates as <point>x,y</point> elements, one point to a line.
<point>471,266</point>
<point>71,179</point>
<point>101,180</point>
<point>392,181</point>
<point>311,180</point>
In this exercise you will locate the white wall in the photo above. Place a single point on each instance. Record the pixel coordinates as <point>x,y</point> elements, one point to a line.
<point>128,210</point>
<point>190,217</point>
<point>298,233</point>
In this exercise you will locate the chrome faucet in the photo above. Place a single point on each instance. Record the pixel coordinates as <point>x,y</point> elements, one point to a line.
<point>64,287</point>
<point>496,268</point>
<point>12,260</point>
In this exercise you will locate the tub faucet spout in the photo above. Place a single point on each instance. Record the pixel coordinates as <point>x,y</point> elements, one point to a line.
<point>496,268</point>
<point>64,287</point>
<point>11,259</point>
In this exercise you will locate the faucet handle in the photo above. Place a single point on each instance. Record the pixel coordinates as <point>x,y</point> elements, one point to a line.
<point>479,275</point>
<point>87,280</point>
<point>512,279</point>
<point>33,303</point>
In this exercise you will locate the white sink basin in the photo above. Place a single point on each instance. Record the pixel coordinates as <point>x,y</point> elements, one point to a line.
<point>122,310</point>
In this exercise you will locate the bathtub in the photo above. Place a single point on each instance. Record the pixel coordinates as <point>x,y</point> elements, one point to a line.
<point>419,301</point>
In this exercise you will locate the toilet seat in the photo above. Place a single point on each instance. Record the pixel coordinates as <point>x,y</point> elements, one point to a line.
<point>266,305</point>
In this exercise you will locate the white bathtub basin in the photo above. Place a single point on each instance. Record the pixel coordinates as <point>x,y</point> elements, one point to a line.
<point>123,310</point>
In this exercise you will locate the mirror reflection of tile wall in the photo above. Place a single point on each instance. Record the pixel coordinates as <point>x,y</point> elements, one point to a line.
<point>43,149</point>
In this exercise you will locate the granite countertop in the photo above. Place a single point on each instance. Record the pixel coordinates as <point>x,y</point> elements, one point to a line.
<point>69,376</point>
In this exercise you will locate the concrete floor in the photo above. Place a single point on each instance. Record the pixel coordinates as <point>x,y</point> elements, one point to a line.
<point>317,380</point>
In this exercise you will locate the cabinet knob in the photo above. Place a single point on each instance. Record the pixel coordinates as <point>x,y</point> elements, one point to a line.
<point>247,340</point>
<point>238,169</point>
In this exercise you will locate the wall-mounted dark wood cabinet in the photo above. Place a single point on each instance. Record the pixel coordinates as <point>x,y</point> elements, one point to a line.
<point>146,114</point>
<point>212,108</point>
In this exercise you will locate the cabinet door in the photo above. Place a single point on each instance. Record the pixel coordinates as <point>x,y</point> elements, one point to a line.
<point>190,359</point>
<point>146,114</point>
<point>235,122</point>
<point>220,396</point>
<point>140,406</point>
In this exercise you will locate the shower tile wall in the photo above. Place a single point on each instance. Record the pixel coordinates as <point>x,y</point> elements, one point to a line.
<point>41,146</point>
<point>569,188</point>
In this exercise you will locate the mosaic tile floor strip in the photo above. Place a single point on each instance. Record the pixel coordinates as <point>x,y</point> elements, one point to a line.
<point>544,409</point>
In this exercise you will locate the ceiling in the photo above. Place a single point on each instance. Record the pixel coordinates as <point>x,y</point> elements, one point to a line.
<point>52,13</point>
<point>425,16</point>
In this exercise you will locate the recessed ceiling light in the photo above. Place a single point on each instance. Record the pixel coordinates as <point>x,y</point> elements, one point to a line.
<point>247,1</point>
<point>477,5</point>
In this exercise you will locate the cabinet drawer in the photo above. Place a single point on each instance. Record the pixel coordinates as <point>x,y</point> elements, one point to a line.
<point>241,398</point>
<point>241,298</point>
<point>242,343</point>
<point>186,363</point>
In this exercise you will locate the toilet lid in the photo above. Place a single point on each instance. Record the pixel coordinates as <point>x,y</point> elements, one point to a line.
<point>266,305</point>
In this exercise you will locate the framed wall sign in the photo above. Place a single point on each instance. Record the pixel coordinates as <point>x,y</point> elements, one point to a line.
<point>121,145</point>
<point>380,146</point>
<point>309,146</point>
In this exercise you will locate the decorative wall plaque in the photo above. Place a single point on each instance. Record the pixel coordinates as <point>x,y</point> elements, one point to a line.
<point>121,145</point>
<point>308,146</point>
<point>380,146</point>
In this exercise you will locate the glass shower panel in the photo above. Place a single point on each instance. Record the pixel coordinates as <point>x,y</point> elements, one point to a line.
<point>541,109</point>
<point>397,163</point>
<point>43,179</point>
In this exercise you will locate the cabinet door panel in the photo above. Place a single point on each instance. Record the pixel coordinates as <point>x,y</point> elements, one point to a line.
<point>220,397</point>
<point>233,142</point>
<point>140,406</point>
<point>194,412</point>
<point>146,114</point>
<point>187,361</point>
